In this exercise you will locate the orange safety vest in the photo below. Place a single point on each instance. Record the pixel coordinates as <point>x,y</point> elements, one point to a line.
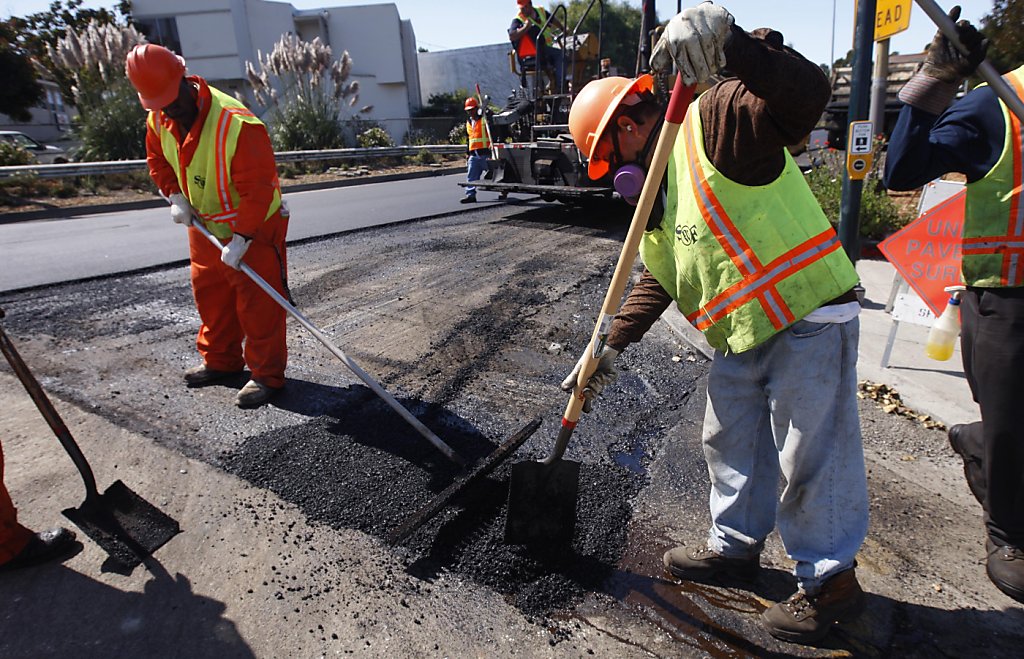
<point>527,47</point>
<point>478,138</point>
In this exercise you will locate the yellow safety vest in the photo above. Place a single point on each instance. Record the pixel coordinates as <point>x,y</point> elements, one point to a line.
<point>477,135</point>
<point>742,262</point>
<point>206,181</point>
<point>993,246</point>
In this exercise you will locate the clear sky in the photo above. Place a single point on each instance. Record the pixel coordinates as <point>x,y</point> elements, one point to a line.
<point>807,25</point>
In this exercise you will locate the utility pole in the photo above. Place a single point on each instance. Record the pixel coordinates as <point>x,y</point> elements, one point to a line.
<point>879,86</point>
<point>849,209</point>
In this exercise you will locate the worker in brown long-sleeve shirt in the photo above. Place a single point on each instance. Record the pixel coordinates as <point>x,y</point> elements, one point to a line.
<point>745,251</point>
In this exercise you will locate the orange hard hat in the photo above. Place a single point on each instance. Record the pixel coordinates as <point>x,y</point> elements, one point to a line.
<point>470,104</point>
<point>156,74</point>
<point>593,109</point>
<point>523,3</point>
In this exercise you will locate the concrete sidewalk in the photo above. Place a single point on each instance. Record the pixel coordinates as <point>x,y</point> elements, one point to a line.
<point>938,389</point>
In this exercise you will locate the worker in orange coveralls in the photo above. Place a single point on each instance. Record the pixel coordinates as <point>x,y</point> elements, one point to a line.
<point>21,547</point>
<point>209,155</point>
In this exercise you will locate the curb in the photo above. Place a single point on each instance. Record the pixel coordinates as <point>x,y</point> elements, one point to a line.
<point>157,202</point>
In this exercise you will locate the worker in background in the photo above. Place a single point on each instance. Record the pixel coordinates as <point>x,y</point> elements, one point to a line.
<point>20,547</point>
<point>478,146</point>
<point>530,41</point>
<point>980,138</point>
<point>746,253</point>
<point>209,155</point>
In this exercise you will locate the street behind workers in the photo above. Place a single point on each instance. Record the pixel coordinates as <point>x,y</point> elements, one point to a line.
<point>750,259</point>
<point>212,158</point>
<point>979,137</point>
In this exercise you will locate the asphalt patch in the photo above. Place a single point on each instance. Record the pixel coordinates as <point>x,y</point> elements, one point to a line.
<point>363,469</point>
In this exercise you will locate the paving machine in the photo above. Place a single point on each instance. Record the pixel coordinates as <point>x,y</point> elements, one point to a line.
<point>532,149</point>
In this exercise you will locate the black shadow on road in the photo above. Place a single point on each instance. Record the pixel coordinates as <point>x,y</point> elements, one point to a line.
<point>81,617</point>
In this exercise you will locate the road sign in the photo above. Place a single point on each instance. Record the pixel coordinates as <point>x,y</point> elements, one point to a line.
<point>891,17</point>
<point>858,150</point>
<point>926,252</point>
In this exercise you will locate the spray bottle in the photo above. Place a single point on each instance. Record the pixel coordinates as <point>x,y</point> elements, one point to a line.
<point>946,329</point>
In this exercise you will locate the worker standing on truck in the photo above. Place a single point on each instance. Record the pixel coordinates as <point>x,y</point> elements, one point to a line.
<point>979,137</point>
<point>478,146</point>
<point>745,251</point>
<point>529,40</point>
<point>210,155</point>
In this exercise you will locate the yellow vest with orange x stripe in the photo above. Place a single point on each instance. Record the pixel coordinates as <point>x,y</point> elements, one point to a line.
<point>993,249</point>
<point>742,262</point>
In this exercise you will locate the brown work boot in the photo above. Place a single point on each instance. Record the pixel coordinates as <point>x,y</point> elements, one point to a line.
<point>1005,567</point>
<point>201,376</point>
<point>255,394</point>
<point>699,563</point>
<point>807,618</point>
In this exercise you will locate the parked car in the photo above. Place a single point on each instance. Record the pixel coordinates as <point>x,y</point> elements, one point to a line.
<point>44,154</point>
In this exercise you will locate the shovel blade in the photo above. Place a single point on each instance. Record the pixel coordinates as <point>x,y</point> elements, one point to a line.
<point>542,503</point>
<point>124,525</point>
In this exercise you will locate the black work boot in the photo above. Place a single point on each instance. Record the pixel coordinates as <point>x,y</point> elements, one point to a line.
<point>807,619</point>
<point>468,199</point>
<point>698,563</point>
<point>50,545</point>
<point>973,472</point>
<point>201,376</point>
<point>1005,567</point>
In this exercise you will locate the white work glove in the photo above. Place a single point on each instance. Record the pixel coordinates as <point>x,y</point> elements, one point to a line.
<point>695,40</point>
<point>603,376</point>
<point>232,253</point>
<point>181,210</point>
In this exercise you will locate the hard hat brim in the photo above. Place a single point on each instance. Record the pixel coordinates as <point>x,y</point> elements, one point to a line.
<point>597,167</point>
<point>160,101</point>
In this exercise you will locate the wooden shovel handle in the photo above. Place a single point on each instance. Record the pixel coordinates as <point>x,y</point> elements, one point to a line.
<point>682,96</point>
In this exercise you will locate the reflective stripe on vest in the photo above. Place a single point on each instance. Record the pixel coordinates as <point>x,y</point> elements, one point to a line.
<point>993,244</point>
<point>742,262</point>
<point>206,180</point>
<point>477,135</point>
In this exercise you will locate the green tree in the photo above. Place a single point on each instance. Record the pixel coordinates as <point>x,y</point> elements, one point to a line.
<point>620,36</point>
<point>38,33</point>
<point>17,78</point>
<point>1002,27</point>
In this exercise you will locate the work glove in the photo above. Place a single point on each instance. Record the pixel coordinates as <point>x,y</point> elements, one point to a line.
<point>232,253</point>
<point>181,210</point>
<point>944,61</point>
<point>695,40</point>
<point>604,375</point>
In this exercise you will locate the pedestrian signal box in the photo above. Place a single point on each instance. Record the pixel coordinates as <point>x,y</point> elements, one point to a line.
<point>858,150</point>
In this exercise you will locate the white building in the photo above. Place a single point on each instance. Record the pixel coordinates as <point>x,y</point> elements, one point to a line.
<point>218,37</point>
<point>445,71</point>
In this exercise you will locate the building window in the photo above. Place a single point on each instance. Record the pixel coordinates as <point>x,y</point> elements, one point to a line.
<point>163,31</point>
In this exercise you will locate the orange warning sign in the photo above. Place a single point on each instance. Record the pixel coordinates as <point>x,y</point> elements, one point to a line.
<point>927,251</point>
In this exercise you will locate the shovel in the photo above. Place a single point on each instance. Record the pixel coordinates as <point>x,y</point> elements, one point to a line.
<point>121,522</point>
<point>197,224</point>
<point>542,495</point>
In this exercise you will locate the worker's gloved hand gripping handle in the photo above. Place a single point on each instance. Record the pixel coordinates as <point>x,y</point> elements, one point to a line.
<point>985,69</point>
<point>681,97</point>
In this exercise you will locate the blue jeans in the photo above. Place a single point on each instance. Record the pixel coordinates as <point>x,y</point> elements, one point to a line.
<point>475,169</point>
<point>555,58</point>
<point>789,407</point>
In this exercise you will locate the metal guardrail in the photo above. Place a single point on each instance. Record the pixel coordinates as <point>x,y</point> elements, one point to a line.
<point>122,166</point>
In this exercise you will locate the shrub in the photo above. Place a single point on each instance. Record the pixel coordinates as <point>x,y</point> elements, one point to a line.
<point>457,135</point>
<point>879,215</point>
<point>11,154</point>
<point>425,157</point>
<point>374,137</point>
<point>307,91</point>
<point>115,128</point>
